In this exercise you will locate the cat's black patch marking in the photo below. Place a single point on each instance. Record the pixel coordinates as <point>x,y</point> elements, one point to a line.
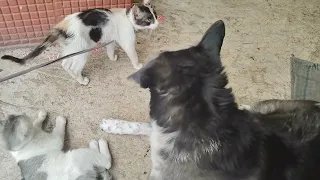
<point>99,175</point>
<point>95,174</point>
<point>94,17</point>
<point>29,168</point>
<point>147,18</point>
<point>95,34</point>
<point>10,132</point>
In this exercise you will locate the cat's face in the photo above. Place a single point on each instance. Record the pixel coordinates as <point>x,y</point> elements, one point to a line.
<point>15,131</point>
<point>144,16</point>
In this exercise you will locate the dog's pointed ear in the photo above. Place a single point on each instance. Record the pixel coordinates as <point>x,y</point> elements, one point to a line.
<point>213,39</point>
<point>137,77</point>
<point>143,76</point>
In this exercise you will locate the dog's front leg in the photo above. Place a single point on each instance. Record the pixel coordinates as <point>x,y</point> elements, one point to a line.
<point>118,126</point>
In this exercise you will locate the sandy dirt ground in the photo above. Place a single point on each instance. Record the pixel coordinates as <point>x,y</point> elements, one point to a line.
<point>260,37</point>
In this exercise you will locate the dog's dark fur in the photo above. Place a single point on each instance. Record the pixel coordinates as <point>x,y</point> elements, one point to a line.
<point>199,133</point>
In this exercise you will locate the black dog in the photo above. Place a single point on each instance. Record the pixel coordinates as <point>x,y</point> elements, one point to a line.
<point>199,133</point>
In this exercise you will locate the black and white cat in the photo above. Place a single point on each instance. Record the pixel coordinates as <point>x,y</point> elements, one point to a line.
<point>83,30</point>
<point>39,154</point>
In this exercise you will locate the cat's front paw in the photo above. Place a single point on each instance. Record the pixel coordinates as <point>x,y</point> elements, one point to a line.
<point>139,66</point>
<point>104,149</point>
<point>42,115</point>
<point>84,81</point>
<point>115,58</point>
<point>61,121</point>
<point>93,144</point>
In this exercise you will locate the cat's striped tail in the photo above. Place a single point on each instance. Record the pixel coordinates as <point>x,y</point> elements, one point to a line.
<point>53,36</point>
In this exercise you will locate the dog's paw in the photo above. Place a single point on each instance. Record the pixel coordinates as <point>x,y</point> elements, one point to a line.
<point>116,126</point>
<point>244,107</point>
<point>111,126</point>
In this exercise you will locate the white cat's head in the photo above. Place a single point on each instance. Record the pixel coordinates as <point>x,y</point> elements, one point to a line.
<point>143,16</point>
<point>15,132</point>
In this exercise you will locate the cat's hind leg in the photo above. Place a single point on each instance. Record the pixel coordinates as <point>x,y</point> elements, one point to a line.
<point>111,51</point>
<point>75,65</point>
<point>118,126</point>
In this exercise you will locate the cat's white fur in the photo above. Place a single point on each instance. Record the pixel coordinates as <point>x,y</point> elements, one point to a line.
<point>120,29</point>
<point>57,164</point>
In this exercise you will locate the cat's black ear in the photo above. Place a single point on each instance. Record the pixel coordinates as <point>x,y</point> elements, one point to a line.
<point>213,39</point>
<point>12,118</point>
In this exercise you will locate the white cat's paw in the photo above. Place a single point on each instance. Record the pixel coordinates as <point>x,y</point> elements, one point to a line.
<point>103,145</point>
<point>84,81</point>
<point>61,121</point>
<point>115,58</point>
<point>42,114</point>
<point>139,66</point>
<point>93,144</point>
<point>104,150</point>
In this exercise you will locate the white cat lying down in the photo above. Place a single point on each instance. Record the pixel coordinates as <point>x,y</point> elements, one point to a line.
<point>39,154</point>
